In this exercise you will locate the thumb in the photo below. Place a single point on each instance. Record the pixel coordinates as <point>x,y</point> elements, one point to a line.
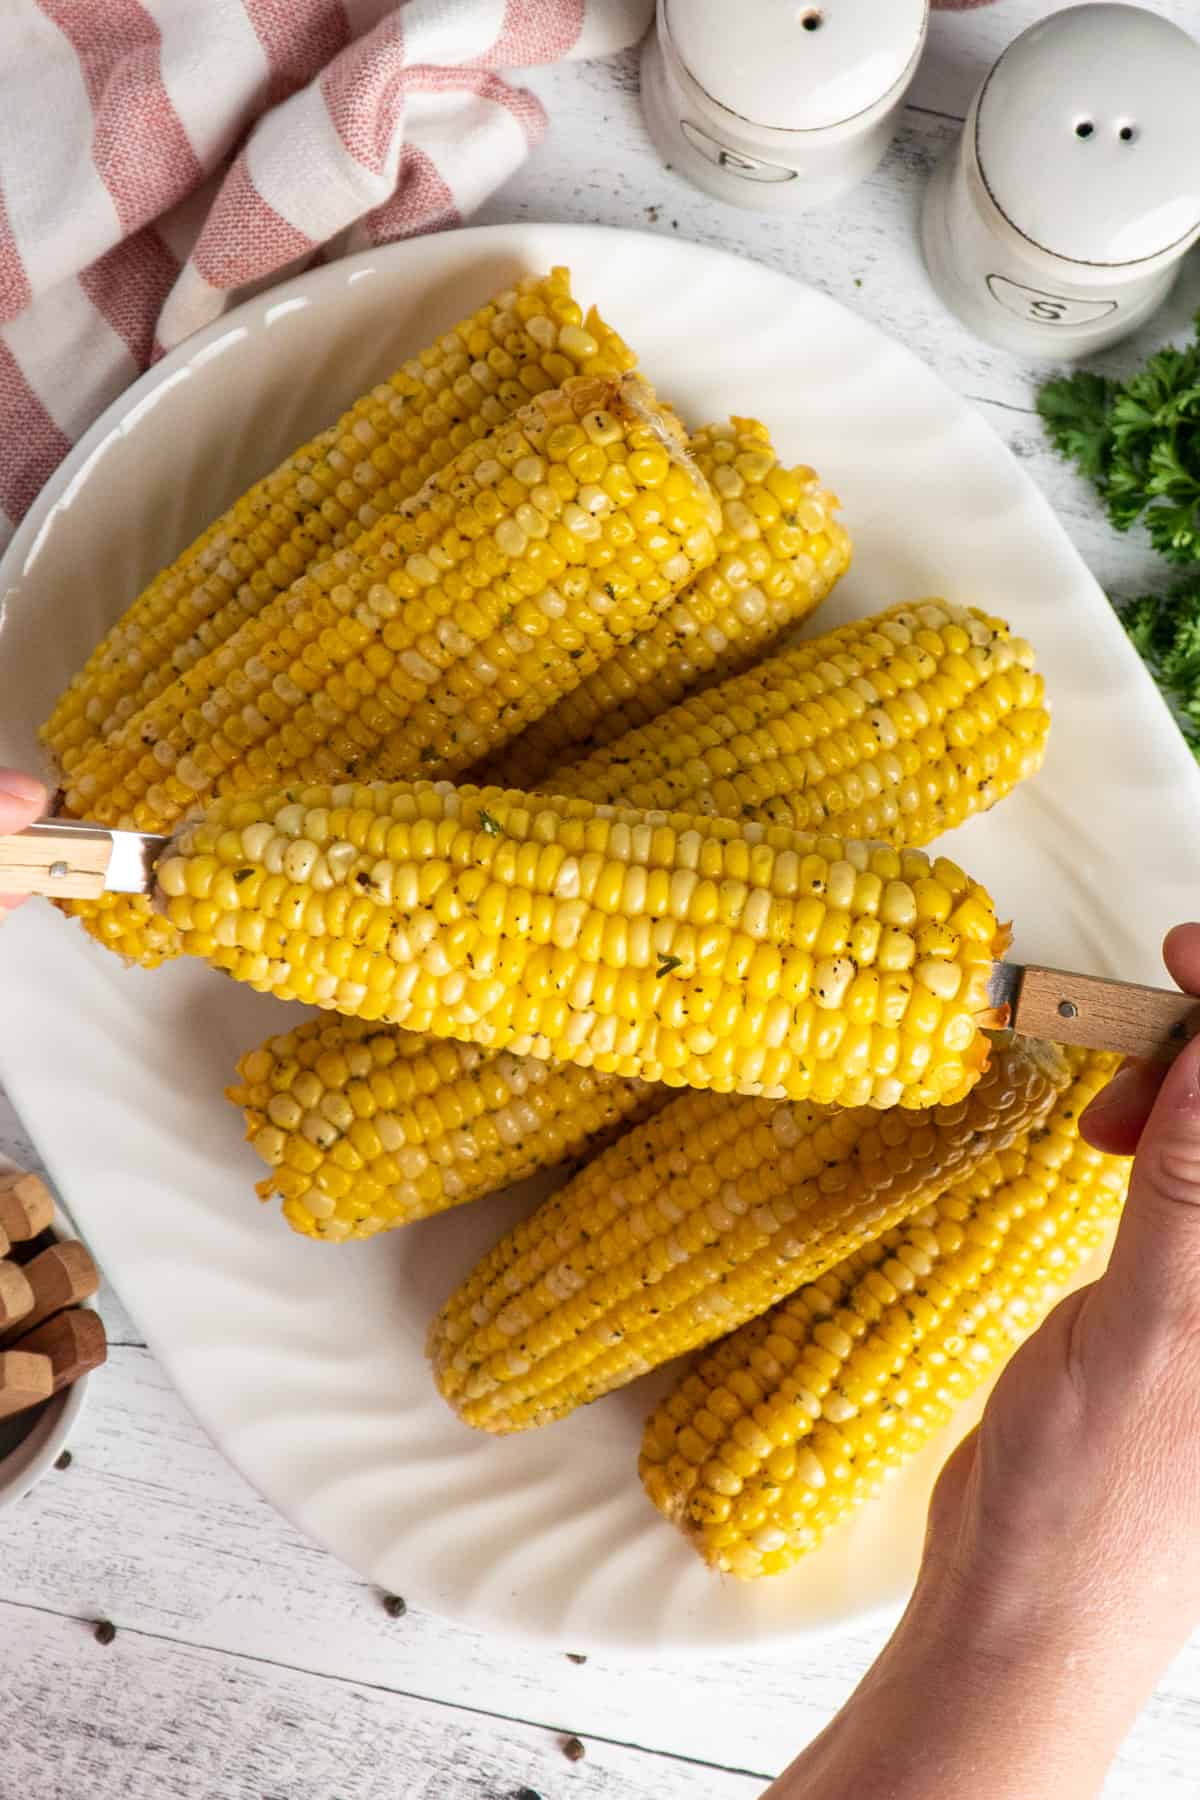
<point>1152,1286</point>
<point>22,800</point>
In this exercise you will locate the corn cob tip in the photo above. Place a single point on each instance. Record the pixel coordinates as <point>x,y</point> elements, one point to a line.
<point>897,727</point>
<point>779,551</point>
<point>368,1127</point>
<point>368,463</point>
<point>785,1428</point>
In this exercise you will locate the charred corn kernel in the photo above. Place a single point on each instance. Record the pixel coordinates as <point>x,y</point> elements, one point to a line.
<point>432,1124</point>
<point>779,551</point>
<point>883,1347</point>
<point>859,732</point>
<point>372,659</point>
<point>371,462</point>
<point>695,1222</point>
<point>454,964</point>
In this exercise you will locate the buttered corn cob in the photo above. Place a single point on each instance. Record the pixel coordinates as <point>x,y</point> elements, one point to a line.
<point>370,462</point>
<point>895,727</point>
<point>670,948</point>
<point>694,770</point>
<point>367,1127</point>
<point>779,551</point>
<point>431,639</point>
<point>784,1429</point>
<point>695,1222</point>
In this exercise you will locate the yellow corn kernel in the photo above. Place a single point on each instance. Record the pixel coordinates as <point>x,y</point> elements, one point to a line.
<point>368,659</point>
<point>891,1338</point>
<point>435,1124</point>
<point>806,738</point>
<point>456,965</point>
<point>771,571</point>
<point>372,461</point>
<point>695,1222</point>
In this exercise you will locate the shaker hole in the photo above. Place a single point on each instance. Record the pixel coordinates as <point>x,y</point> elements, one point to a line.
<point>1084,129</point>
<point>1127,134</point>
<point>812,20</point>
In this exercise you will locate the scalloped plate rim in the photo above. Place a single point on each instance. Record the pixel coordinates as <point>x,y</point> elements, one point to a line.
<point>570,244</point>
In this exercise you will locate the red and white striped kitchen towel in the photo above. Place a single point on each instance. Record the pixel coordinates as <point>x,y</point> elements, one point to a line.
<point>161,158</point>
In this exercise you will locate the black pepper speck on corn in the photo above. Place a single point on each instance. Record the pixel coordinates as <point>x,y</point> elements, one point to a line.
<point>663,947</point>
<point>780,549</point>
<point>444,631</point>
<point>382,1145</point>
<point>696,1222</point>
<point>896,727</point>
<point>368,463</point>
<point>786,1428</point>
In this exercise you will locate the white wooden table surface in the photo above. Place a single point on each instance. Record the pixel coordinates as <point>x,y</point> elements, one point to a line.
<point>248,1665</point>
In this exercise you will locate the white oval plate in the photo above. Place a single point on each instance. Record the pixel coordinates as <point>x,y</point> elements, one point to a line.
<point>305,1361</point>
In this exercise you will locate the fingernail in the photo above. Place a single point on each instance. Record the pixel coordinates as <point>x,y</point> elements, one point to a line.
<point>19,786</point>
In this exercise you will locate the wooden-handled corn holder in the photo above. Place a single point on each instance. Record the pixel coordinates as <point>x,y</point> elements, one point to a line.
<point>72,860</point>
<point>1154,1023</point>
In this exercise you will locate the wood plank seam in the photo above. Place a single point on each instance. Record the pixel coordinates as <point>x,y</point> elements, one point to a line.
<point>382,1687</point>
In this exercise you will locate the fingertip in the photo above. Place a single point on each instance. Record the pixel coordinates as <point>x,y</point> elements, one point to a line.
<point>1181,954</point>
<point>23,798</point>
<point>1115,1119</point>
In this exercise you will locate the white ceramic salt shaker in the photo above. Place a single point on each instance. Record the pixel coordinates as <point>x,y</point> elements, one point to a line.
<point>1057,222</point>
<point>779,104</point>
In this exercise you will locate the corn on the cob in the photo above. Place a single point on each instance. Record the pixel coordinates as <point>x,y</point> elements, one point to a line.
<point>534,553</point>
<point>376,456</point>
<point>683,761</point>
<point>695,1222</point>
<point>698,952</point>
<point>779,551</point>
<point>367,1127</point>
<point>787,1427</point>
<point>896,727</point>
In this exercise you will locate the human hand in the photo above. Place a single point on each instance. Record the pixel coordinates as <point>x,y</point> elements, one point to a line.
<point>1070,1521</point>
<point>22,800</point>
<point>1062,1559</point>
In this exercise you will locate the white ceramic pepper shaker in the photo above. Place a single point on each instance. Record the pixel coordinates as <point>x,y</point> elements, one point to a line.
<point>1057,222</point>
<point>778,104</point>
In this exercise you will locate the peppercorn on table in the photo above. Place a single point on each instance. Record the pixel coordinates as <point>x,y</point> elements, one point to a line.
<point>450,1118</point>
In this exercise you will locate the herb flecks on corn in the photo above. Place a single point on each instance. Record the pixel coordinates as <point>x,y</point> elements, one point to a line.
<point>367,1127</point>
<point>695,1222</point>
<point>698,952</point>
<point>432,639</point>
<point>371,462</point>
<point>529,557</point>
<point>690,763</point>
<point>779,551</point>
<point>786,1428</point>
<point>895,727</point>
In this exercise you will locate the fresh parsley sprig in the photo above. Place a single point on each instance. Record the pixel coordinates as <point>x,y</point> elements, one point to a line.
<point>1139,441</point>
<point>1165,629</point>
